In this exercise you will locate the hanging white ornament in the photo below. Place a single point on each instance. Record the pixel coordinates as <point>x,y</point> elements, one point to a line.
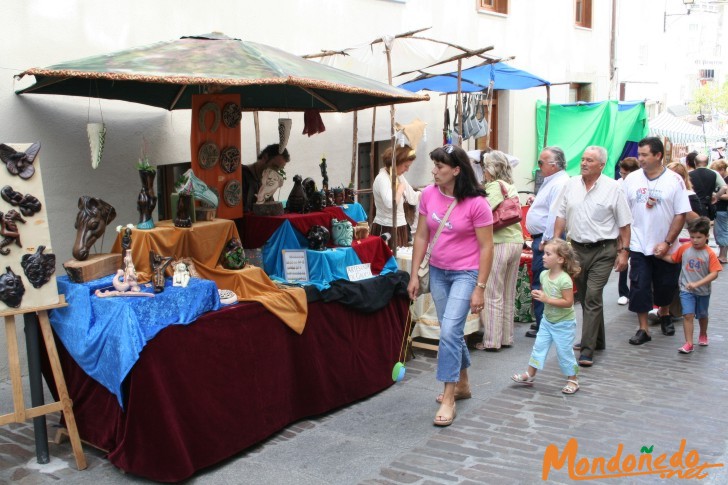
<point>96,135</point>
<point>284,132</point>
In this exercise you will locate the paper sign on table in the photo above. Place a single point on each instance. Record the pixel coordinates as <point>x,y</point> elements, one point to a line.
<point>359,271</point>
<point>295,264</point>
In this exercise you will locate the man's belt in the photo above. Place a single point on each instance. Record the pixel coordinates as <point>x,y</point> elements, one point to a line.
<point>595,244</point>
<point>534,236</point>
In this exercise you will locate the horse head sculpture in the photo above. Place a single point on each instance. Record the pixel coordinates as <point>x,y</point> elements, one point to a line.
<point>93,217</point>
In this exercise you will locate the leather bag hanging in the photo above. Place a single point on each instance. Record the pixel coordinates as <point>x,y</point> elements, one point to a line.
<point>423,272</point>
<point>507,212</point>
<point>470,123</point>
<point>456,124</point>
<point>481,122</point>
<point>446,133</point>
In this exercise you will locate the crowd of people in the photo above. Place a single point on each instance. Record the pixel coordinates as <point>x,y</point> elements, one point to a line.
<point>632,225</point>
<point>611,225</point>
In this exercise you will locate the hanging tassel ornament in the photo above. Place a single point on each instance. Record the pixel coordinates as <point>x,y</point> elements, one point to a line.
<point>96,136</point>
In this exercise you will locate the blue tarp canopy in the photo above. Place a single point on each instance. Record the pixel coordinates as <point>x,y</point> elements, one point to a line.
<point>476,79</point>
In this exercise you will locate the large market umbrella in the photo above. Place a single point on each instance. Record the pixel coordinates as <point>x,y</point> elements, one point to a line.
<point>167,74</point>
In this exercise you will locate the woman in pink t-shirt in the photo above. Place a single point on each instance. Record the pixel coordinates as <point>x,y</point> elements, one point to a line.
<point>459,265</point>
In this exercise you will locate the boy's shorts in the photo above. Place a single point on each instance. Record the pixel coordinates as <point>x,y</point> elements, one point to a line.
<point>694,304</point>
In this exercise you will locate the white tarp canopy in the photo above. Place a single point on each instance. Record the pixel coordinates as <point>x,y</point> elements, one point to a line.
<point>682,132</point>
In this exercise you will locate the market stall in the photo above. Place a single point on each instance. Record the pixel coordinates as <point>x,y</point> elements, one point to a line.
<point>124,357</point>
<point>201,393</point>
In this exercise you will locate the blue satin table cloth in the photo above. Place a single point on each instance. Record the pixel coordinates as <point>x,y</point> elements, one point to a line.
<point>355,211</point>
<point>106,335</point>
<point>323,266</point>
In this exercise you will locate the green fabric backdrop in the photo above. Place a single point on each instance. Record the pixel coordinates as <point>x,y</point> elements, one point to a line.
<point>575,127</point>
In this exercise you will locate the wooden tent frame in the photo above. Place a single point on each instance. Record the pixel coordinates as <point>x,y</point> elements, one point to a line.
<point>465,54</point>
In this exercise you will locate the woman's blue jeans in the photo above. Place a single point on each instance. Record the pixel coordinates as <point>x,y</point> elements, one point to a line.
<point>451,291</point>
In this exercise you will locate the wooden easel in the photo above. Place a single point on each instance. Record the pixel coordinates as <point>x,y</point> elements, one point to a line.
<point>65,405</point>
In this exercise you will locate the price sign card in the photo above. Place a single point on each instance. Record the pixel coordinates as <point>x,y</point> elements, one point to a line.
<point>295,264</point>
<point>359,271</point>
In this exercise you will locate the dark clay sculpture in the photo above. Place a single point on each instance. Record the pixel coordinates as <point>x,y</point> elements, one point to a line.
<point>38,267</point>
<point>9,230</point>
<point>93,217</point>
<point>348,196</point>
<point>233,256</point>
<point>318,237</point>
<point>20,163</point>
<point>297,199</point>
<point>324,174</point>
<point>125,243</point>
<point>125,240</point>
<point>183,218</point>
<point>28,204</point>
<point>11,288</point>
<point>159,265</point>
<point>309,187</point>
<point>146,200</point>
<point>338,196</point>
<point>11,196</point>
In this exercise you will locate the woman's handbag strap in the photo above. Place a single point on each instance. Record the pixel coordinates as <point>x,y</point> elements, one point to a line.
<point>426,259</point>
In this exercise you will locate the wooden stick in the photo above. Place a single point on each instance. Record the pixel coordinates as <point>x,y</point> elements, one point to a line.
<point>256,124</point>
<point>354,150</point>
<point>548,109</point>
<point>459,105</point>
<point>371,161</point>
<point>393,168</point>
<point>14,367</point>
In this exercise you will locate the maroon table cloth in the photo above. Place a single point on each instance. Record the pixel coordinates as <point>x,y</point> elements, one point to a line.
<point>201,393</point>
<point>256,230</point>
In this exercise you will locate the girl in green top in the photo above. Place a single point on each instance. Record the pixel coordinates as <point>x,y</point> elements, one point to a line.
<point>558,324</point>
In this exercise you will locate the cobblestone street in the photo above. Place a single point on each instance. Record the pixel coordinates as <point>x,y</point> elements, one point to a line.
<point>647,396</point>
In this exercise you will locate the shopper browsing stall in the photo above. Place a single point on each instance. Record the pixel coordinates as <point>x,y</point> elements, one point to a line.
<point>500,293</point>
<point>460,262</point>
<point>253,173</point>
<point>404,156</point>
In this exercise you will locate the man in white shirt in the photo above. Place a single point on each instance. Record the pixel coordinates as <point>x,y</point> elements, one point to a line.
<point>597,219</point>
<point>659,202</point>
<point>541,215</point>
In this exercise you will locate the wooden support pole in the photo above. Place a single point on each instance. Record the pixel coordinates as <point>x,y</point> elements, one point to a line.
<point>354,151</point>
<point>393,168</point>
<point>548,109</point>
<point>371,161</point>
<point>459,103</point>
<point>256,124</point>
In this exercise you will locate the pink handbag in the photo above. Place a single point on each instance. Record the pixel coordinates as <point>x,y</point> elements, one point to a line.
<point>507,212</point>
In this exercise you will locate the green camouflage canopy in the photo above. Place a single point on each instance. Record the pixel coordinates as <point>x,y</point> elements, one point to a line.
<point>167,74</point>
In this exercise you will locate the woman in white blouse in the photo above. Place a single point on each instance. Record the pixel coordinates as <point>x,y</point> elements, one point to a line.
<point>382,191</point>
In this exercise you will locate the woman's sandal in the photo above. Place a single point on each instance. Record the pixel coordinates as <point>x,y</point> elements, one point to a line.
<point>570,389</point>
<point>443,419</point>
<point>459,395</point>
<point>524,379</point>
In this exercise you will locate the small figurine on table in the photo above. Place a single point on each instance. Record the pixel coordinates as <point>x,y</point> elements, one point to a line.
<point>181,275</point>
<point>324,174</point>
<point>159,266</point>
<point>126,279</point>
